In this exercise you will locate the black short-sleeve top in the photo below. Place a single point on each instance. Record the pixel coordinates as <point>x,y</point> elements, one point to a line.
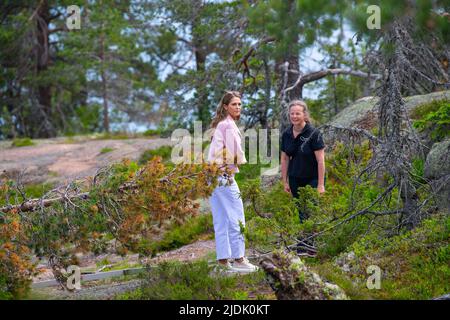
<point>303,163</point>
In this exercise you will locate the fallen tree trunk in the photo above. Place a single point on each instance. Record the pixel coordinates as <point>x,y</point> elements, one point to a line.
<point>33,204</point>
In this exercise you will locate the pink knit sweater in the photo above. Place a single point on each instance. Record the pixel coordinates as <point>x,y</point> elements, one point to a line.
<point>227,136</point>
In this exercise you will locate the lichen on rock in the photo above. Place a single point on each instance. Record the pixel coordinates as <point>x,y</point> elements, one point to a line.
<point>293,280</point>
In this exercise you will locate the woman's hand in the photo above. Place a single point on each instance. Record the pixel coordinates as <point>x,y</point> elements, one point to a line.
<point>321,189</point>
<point>286,187</point>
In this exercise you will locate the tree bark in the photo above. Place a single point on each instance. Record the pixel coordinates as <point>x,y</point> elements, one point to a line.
<point>200,53</point>
<point>43,60</point>
<point>288,70</point>
<point>104,83</point>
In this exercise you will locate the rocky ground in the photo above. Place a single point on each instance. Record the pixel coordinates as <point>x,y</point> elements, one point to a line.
<point>61,160</point>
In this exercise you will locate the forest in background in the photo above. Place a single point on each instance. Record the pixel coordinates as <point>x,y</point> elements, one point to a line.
<point>164,64</point>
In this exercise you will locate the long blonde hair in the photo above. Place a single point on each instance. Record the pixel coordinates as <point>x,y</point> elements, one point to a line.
<point>300,103</point>
<point>221,112</point>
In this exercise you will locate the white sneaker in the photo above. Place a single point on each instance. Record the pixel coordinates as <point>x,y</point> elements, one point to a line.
<point>244,266</point>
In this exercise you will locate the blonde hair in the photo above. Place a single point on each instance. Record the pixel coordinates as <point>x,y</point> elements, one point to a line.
<point>221,112</point>
<point>300,103</point>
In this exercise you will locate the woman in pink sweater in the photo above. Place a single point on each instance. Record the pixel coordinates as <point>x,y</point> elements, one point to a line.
<point>226,204</point>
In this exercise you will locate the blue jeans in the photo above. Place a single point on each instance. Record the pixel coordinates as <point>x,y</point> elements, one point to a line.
<point>294,184</point>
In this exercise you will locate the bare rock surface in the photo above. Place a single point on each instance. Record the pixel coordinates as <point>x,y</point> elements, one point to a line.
<point>61,160</point>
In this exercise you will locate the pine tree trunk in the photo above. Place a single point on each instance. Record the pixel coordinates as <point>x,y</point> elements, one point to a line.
<point>287,78</point>
<point>200,61</point>
<point>104,84</point>
<point>44,92</point>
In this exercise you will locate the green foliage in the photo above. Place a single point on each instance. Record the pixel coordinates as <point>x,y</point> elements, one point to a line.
<point>166,42</point>
<point>103,61</point>
<point>179,235</point>
<point>291,21</point>
<point>425,19</point>
<point>196,281</point>
<point>434,118</point>
<point>414,264</point>
<point>175,281</point>
<point>133,207</point>
<point>31,191</point>
<point>271,215</point>
<point>106,150</point>
<point>337,91</point>
<point>250,171</point>
<point>417,173</point>
<point>16,267</point>
<point>115,135</point>
<point>22,142</point>
<point>152,132</point>
<point>4,292</point>
<point>164,152</point>
<point>272,218</point>
<point>86,119</point>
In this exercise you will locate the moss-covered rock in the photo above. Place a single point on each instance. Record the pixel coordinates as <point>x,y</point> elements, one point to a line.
<point>437,169</point>
<point>361,111</point>
<point>437,164</point>
<point>293,280</point>
<point>363,114</point>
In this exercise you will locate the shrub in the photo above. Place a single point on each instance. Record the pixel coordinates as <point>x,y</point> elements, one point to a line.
<point>115,135</point>
<point>190,281</point>
<point>196,281</point>
<point>272,216</point>
<point>106,150</point>
<point>86,119</point>
<point>152,132</point>
<point>434,117</point>
<point>180,235</point>
<point>164,152</point>
<point>30,190</point>
<point>125,203</point>
<point>22,142</point>
<point>16,268</point>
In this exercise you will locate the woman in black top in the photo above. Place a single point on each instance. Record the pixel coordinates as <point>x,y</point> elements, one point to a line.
<point>302,153</point>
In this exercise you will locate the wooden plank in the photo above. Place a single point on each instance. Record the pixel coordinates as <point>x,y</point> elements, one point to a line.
<point>91,277</point>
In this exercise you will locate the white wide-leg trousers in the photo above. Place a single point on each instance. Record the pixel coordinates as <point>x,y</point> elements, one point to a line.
<point>227,211</point>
